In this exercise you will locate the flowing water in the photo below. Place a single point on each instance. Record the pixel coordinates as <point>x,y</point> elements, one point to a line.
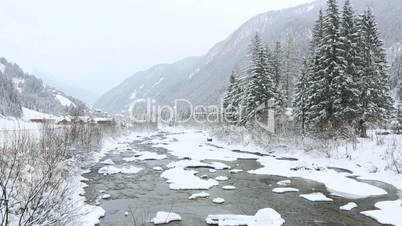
<point>143,194</point>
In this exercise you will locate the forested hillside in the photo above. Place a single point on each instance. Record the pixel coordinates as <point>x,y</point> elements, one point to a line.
<point>20,89</point>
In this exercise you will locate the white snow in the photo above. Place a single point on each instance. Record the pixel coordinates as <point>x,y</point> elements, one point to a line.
<point>334,181</point>
<point>221,178</point>
<point>218,200</point>
<point>264,217</point>
<point>228,187</point>
<point>106,196</point>
<point>199,195</point>
<point>234,171</point>
<point>284,182</point>
<point>316,197</point>
<point>181,179</point>
<point>108,170</point>
<point>389,212</point>
<point>108,162</point>
<point>158,168</point>
<point>158,82</point>
<point>64,100</point>
<point>195,163</point>
<point>165,217</point>
<point>348,206</point>
<point>284,190</point>
<point>146,155</point>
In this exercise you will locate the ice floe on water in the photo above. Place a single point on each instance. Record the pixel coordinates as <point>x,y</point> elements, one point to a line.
<point>108,162</point>
<point>109,170</point>
<point>181,179</point>
<point>221,178</point>
<point>146,155</point>
<point>198,164</point>
<point>199,195</point>
<point>218,200</point>
<point>165,217</point>
<point>334,181</point>
<point>229,187</point>
<point>264,217</point>
<point>158,168</point>
<point>388,212</point>
<point>284,190</point>
<point>234,171</point>
<point>316,197</point>
<point>348,206</point>
<point>284,182</point>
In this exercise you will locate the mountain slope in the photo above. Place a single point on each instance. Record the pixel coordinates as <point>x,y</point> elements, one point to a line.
<point>203,80</point>
<point>19,89</point>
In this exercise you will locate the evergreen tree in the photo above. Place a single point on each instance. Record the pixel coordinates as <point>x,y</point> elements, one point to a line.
<point>301,103</point>
<point>331,69</point>
<point>277,72</point>
<point>376,102</point>
<point>260,85</point>
<point>346,102</point>
<point>231,102</point>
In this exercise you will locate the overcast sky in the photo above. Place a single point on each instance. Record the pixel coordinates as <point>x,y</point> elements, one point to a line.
<point>95,44</point>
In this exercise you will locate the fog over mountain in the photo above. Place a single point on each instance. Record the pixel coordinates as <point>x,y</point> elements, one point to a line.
<point>204,79</point>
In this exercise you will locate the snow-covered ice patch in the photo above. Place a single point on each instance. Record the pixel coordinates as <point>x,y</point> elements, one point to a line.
<point>221,178</point>
<point>334,181</point>
<point>234,171</point>
<point>198,164</point>
<point>158,168</point>
<point>229,187</point>
<point>348,206</point>
<point>284,190</point>
<point>218,200</point>
<point>165,217</point>
<point>284,182</point>
<point>106,196</point>
<point>181,179</point>
<point>108,162</point>
<point>109,170</point>
<point>316,197</point>
<point>199,195</point>
<point>264,217</point>
<point>146,155</point>
<point>389,212</point>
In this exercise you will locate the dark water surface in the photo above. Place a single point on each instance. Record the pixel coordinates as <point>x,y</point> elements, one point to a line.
<point>145,193</point>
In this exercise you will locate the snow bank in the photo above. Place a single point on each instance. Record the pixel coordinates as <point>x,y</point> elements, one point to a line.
<point>196,163</point>
<point>389,212</point>
<point>264,217</point>
<point>165,217</point>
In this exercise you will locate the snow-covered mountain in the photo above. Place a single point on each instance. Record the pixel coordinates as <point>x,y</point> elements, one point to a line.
<point>19,89</point>
<point>203,79</point>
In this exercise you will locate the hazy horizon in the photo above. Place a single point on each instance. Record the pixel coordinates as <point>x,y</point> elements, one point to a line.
<point>77,43</point>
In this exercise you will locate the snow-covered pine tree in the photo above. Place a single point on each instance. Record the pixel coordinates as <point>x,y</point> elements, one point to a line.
<point>346,102</point>
<point>376,102</point>
<point>277,58</point>
<point>331,69</point>
<point>260,85</point>
<point>231,102</point>
<point>307,101</point>
<point>301,104</point>
<point>10,103</point>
